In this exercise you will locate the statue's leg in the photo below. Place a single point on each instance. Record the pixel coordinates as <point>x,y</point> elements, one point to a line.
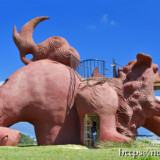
<point>153,124</point>
<point>66,132</point>
<point>108,130</point>
<point>46,133</point>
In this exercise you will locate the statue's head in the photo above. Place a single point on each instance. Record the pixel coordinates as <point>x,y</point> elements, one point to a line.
<point>139,77</point>
<point>54,48</point>
<point>140,69</point>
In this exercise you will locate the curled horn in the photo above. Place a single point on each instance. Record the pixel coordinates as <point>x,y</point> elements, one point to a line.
<point>24,40</point>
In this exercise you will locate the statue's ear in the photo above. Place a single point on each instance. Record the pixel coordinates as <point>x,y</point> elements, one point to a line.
<point>4,140</point>
<point>143,59</point>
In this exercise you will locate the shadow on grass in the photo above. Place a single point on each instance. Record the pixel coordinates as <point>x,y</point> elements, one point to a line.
<point>27,145</point>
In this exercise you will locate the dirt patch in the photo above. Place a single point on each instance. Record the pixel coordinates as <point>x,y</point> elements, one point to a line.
<point>77,147</point>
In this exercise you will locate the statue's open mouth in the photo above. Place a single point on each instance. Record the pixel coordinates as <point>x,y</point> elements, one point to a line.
<point>158,98</point>
<point>156,88</point>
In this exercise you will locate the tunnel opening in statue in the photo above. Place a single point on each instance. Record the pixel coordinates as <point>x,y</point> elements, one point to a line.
<point>89,121</point>
<point>143,133</point>
<point>27,133</point>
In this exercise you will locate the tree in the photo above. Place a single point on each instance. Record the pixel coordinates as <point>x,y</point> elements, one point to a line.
<point>26,139</point>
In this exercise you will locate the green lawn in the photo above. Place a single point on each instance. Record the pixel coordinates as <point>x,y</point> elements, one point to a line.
<point>75,152</point>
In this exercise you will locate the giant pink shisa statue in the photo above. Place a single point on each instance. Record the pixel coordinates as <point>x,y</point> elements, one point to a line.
<point>48,93</point>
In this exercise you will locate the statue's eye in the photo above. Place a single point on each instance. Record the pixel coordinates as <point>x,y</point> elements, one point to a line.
<point>155,69</point>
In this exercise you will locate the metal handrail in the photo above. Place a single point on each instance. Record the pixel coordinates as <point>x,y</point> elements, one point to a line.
<point>87,67</point>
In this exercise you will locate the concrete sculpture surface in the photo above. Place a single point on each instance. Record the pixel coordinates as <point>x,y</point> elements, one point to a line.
<point>125,103</point>
<point>9,137</point>
<point>48,93</point>
<point>138,104</point>
<point>54,48</point>
<point>38,94</point>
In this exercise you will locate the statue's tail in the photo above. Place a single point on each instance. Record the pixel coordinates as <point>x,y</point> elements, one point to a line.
<point>24,40</point>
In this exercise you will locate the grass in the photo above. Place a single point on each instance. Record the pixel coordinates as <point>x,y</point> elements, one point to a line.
<point>106,151</point>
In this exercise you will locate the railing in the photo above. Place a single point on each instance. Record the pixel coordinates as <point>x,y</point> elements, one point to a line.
<point>93,68</point>
<point>86,69</point>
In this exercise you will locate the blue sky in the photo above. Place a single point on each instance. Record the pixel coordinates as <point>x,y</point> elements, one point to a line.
<point>102,29</point>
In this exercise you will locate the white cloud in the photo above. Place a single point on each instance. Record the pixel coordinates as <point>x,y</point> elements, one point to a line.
<point>113,23</point>
<point>91,27</point>
<point>1,82</point>
<point>104,18</point>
